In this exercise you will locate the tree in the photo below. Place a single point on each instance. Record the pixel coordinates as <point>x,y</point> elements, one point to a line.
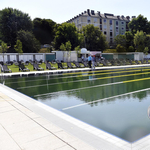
<point>78,51</point>
<point>18,47</point>
<point>66,32</point>
<point>138,24</point>
<point>29,43</point>
<point>139,41</point>
<point>120,48</point>
<point>11,21</point>
<point>63,48</point>
<point>68,49</point>
<point>44,30</point>
<point>120,40</point>
<point>146,51</point>
<point>129,41</point>
<point>93,38</point>
<point>3,49</point>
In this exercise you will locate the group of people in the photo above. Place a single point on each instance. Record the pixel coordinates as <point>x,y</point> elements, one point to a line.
<point>91,61</point>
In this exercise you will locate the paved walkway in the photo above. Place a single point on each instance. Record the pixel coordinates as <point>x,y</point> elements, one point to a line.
<point>22,129</point>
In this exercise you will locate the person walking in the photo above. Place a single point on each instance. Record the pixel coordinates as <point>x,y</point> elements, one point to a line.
<point>93,62</point>
<point>89,61</point>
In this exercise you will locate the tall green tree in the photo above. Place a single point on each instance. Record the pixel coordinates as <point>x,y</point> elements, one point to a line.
<point>3,49</point>
<point>68,49</point>
<point>29,43</point>
<point>44,30</point>
<point>129,41</point>
<point>120,39</point>
<point>18,47</point>
<point>94,38</point>
<point>11,21</point>
<point>139,41</point>
<point>138,24</point>
<point>66,32</point>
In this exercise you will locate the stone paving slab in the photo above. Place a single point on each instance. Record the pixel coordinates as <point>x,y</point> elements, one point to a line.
<point>22,129</point>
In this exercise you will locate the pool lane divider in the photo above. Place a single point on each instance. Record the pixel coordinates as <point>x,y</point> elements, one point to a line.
<point>86,80</point>
<point>116,96</point>
<point>136,80</point>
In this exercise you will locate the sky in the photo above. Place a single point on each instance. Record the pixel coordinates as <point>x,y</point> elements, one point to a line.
<point>62,10</point>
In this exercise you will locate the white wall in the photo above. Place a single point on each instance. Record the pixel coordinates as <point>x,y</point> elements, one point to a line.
<point>63,56</point>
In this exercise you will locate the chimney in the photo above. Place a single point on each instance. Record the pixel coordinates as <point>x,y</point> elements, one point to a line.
<point>99,13</point>
<point>92,12</point>
<point>128,17</point>
<point>88,11</point>
<point>118,17</point>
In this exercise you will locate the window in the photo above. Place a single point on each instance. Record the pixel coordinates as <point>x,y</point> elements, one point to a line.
<point>100,26</point>
<point>105,26</point>
<point>117,33</point>
<point>95,20</point>
<point>116,23</point>
<point>105,32</point>
<point>122,23</point>
<point>111,28</point>
<point>110,33</point>
<point>77,21</point>
<point>117,29</point>
<point>110,22</point>
<point>104,20</point>
<point>88,19</point>
<point>100,21</point>
<point>122,29</point>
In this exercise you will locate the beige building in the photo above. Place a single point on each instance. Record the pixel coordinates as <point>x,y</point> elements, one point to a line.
<point>109,24</point>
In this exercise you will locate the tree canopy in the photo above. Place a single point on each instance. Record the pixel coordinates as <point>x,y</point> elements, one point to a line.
<point>139,24</point>
<point>29,43</point>
<point>66,32</point>
<point>95,40</point>
<point>44,30</point>
<point>11,21</point>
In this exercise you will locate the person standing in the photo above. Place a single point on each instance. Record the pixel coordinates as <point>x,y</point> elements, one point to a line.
<point>89,61</point>
<point>93,62</point>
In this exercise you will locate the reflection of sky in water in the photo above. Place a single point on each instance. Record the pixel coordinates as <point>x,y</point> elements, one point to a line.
<point>124,117</point>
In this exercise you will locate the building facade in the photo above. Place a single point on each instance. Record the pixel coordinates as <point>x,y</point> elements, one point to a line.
<point>109,24</point>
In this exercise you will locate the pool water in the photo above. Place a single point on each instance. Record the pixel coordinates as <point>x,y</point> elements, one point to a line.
<point>115,101</point>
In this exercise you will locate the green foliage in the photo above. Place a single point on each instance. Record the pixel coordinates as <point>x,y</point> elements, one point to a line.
<point>3,48</point>
<point>129,39</point>
<point>18,47</point>
<point>44,30</point>
<point>62,47</point>
<point>120,39</point>
<point>29,43</point>
<point>68,46</point>
<point>138,24</point>
<point>120,48</point>
<point>66,32</point>
<point>139,41</point>
<point>131,49</point>
<point>93,38</point>
<point>11,21</point>
<point>146,51</point>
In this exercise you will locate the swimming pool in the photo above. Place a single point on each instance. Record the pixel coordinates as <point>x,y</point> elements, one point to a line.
<point>115,100</point>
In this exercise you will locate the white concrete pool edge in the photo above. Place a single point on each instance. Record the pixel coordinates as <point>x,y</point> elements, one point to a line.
<point>91,135</point>
<point>70,70</point>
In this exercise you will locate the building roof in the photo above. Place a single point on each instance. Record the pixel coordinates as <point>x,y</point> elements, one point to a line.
<point>92,13</point>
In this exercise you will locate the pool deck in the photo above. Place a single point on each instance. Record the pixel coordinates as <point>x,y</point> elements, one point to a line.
<point>26,124</point>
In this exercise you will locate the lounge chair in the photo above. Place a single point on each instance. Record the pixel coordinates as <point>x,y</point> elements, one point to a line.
<point>60,66</point>
<point>70,65</point>
<point>78,65</point>
<point>23,68</point>
<point>36,67</point>
<point>4,69</point>
<point>85,64</point>
<point>48,66</point>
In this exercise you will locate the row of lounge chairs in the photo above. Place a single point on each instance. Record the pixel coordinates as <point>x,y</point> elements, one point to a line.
<point>100,63</point>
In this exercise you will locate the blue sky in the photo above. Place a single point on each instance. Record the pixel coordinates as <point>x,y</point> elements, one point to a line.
<point>63,10</point>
